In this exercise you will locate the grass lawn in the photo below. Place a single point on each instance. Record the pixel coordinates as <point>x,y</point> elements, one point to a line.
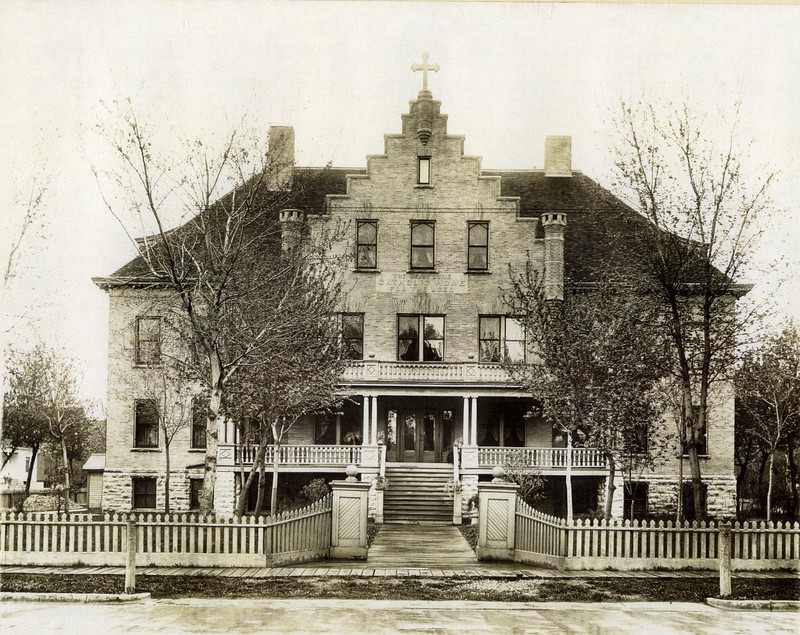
<point>485,589</point>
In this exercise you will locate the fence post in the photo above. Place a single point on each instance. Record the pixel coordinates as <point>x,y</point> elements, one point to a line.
<point>497,515</point>
<point>349,517</point>
<point>724,559</point>
<point>130,556</point>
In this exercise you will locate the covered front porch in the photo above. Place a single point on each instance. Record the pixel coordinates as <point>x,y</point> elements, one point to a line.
<point>475,432</point>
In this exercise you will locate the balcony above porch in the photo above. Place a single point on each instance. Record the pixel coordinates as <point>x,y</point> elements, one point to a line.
<point>370,371</point>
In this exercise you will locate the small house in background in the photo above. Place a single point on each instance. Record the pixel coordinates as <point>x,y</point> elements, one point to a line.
<point>15,472</point>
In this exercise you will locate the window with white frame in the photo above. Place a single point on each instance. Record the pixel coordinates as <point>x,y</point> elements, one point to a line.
<point>424,171</point>
<point>367,244</point>
<point>477,246</point>
<point>145,424</point>
<point>423,244</point>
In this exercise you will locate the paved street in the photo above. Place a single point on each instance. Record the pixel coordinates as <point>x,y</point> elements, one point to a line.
<point>368,616</point>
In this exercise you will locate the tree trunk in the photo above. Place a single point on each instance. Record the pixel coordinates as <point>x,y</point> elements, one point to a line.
<point>67,483</point>
<point>679,513</point>
<point>569,477</point>
<point>793,476</point>
<point>769,484</point>
<point>29,476</point>
<point>257,462</point>
<point>212,437</point>
<point>697,483</point>
<point>610,488</point>
<point>273,499</point>
<point>262,488</point>
<point>166,476</point>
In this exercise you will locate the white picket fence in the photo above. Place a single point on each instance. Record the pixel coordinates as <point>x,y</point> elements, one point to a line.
<point>631,545</point>
<point>167,539</point>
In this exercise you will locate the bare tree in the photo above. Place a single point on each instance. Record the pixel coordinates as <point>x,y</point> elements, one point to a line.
<point>768,385</point>
<point>703,211</point>
<point>597,365</point>
<point>223,259</point>
<point>297,376</point>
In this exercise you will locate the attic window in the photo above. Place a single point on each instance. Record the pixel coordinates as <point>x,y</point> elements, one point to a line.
<point>424,170</point>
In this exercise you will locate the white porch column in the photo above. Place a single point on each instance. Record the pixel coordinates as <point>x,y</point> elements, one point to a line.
<point>474,421</point>
<point>373,440</point>
<point>365,420</point>
<point>465,439</point>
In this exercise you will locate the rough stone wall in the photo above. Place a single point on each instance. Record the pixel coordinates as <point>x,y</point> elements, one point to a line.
<point>469,487</point>
<point>118,489</point>
<point>225,492</point>
<point>369,477</point>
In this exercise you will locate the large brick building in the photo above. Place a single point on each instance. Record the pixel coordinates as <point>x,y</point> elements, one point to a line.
<point>434,236</point>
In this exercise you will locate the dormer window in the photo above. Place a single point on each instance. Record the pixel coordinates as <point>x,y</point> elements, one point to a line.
<point>424,172</point>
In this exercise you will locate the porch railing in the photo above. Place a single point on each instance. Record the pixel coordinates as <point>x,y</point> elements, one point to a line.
<point>460,372</point>
<point>582,458</point>
<point>340,455</point>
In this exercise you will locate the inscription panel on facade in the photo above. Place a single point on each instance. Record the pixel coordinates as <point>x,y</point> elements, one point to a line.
<point>421,283</point>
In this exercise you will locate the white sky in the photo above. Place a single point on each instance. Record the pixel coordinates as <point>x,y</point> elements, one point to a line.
<point>340,74</point>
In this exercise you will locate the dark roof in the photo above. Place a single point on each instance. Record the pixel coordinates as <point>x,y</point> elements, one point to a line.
<point>311,185</point>
<point>603,235</point>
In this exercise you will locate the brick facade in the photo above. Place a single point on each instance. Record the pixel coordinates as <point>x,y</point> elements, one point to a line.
<point>389,193</point>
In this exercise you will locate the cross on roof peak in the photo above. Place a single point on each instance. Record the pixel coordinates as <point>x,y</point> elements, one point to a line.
<point>425,67</point>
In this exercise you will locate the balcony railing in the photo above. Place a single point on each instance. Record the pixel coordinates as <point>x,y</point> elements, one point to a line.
<point>339,455</point>
<point>457,372</point>
<point>545,458</point>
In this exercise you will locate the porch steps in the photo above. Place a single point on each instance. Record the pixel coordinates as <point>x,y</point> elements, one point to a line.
<point>416,493</point>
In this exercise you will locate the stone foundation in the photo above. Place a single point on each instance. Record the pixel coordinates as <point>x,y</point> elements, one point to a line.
<point>469,487</point>
<point>225,493</point>
<point>118,489</point>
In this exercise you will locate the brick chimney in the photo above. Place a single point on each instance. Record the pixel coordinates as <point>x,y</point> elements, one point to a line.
<point>554,224</point>
<point>558,156</point>
<point>281,157</point>
<point>291,229</point>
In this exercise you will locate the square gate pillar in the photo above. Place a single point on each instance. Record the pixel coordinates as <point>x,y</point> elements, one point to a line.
<point>497,512</point>
<point>349,521</point>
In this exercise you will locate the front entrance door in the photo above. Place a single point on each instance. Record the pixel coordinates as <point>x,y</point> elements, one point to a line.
<point>426,435</point>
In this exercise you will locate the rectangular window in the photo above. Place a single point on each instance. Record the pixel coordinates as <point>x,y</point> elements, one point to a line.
<point>424,171</point>
<point>199,417</point>
<point>413,348</point>
<point>367,244</point>
<point>423,235</point>
<point>502,338</point>
<point>477,246</point>
<point>325,428</point>
<point>148,340</point>
<point>353,335</point>
<point>144,493</point>
<point>195,487</point>
<point>146,426</point>
<point>635,500</point>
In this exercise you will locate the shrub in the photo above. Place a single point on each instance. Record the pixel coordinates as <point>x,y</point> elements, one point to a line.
<point>315,490</point>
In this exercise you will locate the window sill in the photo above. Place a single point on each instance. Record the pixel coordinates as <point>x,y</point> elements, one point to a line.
<point>423,186</point>
<point>145,449</point>
<point>478,272</point>
<point>197,450</point>
<point>160,365</point>
<point>357,270</point>
<point>699,456</point>
<point>422,271</point>
<point>144,510</point>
